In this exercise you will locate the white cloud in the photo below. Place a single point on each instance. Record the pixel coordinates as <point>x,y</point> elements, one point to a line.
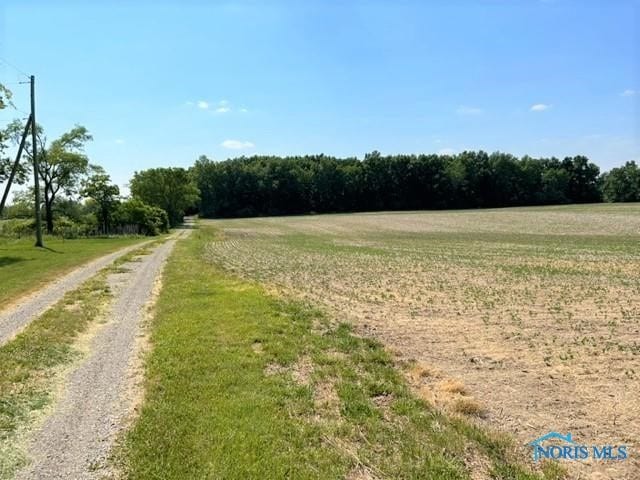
<point>222,106</point>
<point>446,151</point>
<point>119,141</point>
<point>628,93</point>
<point>236,144</point>
<point>465,110</point>
<point>540,107</point>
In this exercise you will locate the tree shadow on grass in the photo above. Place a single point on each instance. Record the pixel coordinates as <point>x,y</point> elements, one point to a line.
<point>4,261</point>
<point>51,250</point>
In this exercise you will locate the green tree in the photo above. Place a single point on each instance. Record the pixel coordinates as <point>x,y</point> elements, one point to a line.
<point>584,176</point>
<point>5,97</point>
<point>555,182</point>
<point>622,184</point>
<point>105,194</point>
<point>21,206</point>
<point>146,219</point>
<point>171,189</point>
<point>62,163</point>
<point>12,133</point>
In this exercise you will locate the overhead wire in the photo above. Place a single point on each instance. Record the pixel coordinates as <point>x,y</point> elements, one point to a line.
<point>22,73</point>
<point>11,65</point>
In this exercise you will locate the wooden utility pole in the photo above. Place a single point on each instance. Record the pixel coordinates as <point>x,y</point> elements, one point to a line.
<point>36,169</point>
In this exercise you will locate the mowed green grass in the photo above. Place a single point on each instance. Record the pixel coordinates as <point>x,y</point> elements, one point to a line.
<point>24,268</point>
<point>245,385</point>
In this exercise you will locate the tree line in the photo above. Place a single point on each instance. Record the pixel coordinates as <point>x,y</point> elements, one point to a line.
<point>268,185</point>
<point>80,199</point>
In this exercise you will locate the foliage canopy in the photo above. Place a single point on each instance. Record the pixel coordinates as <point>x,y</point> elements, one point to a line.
<point>264,185</point>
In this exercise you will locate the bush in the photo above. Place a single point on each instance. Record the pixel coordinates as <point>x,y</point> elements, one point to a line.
<point>17,227</point>
<point>18,210</point>
<point>145,219</point>
<point>67,228</point>
<point>89,224</point>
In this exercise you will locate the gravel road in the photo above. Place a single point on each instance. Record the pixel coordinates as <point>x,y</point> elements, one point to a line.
<point>98,398</point>
<point>18,316</point>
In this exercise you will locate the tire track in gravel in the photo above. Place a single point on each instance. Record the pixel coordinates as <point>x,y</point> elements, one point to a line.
<point>75,440</point>
<point>18,316</point>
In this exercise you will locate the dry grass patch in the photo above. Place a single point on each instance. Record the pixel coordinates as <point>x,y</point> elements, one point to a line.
<point>272,369</point>
<point>326,402</point>
<point>478,464</point>
<point>419,372</point>
<point>360,473</point>
<point>453,386</point>
<point>301,370</point>
<point>466,405</point>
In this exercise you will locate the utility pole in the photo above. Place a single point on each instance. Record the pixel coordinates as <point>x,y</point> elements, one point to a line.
<point>36,169</point>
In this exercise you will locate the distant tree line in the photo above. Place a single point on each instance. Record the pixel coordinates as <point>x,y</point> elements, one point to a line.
<point>80,199</point>
<point>267,185</point>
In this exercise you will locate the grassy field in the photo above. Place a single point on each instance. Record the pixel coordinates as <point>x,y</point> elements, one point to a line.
<point>243,384</point>
<point>24,268</point>
<point>525,317</point>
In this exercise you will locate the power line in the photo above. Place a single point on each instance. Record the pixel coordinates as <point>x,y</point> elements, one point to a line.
<point>21,111</point>
<point>13,84</point>
<point>11,65</point>
<point>13,106</point>
<point>16,83</point>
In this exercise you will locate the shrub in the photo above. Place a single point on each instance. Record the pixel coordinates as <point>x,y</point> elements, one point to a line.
<point>144,218</point>
<point>67,228</point>
<point>17,227</point>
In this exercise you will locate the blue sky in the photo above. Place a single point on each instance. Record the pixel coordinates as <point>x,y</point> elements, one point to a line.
<point>160,83</point>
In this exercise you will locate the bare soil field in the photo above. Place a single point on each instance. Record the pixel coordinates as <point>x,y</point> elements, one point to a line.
<point>526,318</point>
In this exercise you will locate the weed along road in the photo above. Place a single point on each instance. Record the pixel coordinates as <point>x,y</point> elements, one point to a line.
<point>14,318</point>
<point>99,392</point>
